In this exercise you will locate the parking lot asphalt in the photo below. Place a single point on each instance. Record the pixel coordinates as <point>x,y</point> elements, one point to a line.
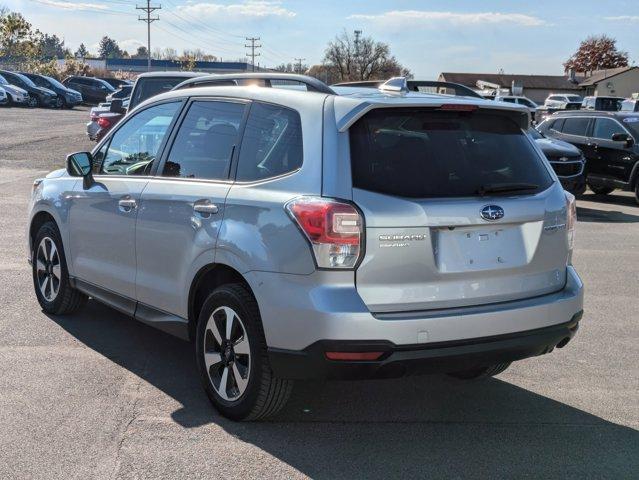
<point>97,395</point>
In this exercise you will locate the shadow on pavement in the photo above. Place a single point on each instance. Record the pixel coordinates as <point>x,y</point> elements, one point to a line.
<point>418,426</point>
<point>605,216</point>
<point>614,198</point>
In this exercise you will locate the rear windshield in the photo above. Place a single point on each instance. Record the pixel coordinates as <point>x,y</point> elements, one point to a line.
<point>148,87</point>
<point>425,153</point>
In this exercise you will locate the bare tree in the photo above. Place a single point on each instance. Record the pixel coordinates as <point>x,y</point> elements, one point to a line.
<point>364,59</point>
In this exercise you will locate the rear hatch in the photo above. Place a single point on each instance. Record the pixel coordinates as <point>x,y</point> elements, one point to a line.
<point>459,210</point>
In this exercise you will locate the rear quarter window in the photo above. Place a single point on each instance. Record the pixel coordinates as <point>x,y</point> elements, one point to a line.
<point>425,153</point>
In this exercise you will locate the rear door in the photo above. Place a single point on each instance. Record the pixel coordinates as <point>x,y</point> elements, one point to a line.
<point>181,210</point>
<point>434,237</point>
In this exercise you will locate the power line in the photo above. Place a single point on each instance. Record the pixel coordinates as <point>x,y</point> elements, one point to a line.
<point>149,20</point>
<point>253,46</point>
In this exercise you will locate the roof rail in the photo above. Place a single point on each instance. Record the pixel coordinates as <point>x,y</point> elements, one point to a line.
<point>264,79</point>
<point>395,84</point>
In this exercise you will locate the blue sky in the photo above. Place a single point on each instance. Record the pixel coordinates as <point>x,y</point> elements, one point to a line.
<point>428,36</point>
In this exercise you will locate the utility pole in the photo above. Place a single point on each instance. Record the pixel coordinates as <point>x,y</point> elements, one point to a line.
<point>149,9</point>
<point>253,46</point>
<point>299,64</point>
<point>357,33</point>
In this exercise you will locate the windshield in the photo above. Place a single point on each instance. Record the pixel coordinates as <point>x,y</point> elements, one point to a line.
<point>535,134</point>
<point>574,98</point>
<point>26,80</point>
<point>54,82</point>
<point>418,153</point>
<point>632,124</point>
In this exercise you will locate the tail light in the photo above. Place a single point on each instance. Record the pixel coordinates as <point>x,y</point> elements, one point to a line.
<point>104,122</point>
<point>334,229</point>
<point>571,219</point>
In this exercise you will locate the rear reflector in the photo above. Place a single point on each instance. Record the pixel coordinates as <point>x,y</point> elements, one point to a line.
<point>353,355</point>
<point>458,108</point>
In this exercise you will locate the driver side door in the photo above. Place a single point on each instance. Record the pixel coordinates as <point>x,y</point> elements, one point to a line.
<point>103,216</point>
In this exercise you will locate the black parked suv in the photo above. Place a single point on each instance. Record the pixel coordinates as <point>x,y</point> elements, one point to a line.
<point>67,98</point>
<point>93,90</point>
<point>40,97</point>
<point>609,143</point>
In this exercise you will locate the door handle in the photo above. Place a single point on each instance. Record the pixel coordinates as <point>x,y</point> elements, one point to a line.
<point>127,204</point>
<point>205,207</point>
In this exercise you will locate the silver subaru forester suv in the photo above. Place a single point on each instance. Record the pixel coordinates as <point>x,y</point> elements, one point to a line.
<point>330,234</point>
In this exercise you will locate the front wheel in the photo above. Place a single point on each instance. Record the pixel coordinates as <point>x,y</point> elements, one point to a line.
<point>481,372</point>
<point>50,276</point>
<point>232,357</point>
<point>600,190</point>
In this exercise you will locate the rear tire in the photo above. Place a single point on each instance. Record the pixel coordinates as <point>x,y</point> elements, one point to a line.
<point>481,372</point>
<point>600,190</point>
<point>637,192</point>
<point>50,275</point>
<point>233,360</point>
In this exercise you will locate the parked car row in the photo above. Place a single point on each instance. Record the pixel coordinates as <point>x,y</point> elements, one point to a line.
<point>37,90</point>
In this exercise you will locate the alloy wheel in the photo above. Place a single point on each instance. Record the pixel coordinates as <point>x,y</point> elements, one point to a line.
<point>227,354</point>
<point>48,269</point>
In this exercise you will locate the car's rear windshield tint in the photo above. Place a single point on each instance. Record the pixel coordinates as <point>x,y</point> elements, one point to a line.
<point>426,153</point>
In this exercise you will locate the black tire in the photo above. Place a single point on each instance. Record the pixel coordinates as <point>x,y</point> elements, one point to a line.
<point>637,192</point>
<point>600,190</point>
<point>264,394</point>
<point>60,103</point>
<point>481,372</point>
<point>68,299</point>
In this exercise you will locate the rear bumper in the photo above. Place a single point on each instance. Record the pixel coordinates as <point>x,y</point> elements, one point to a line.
<point>400,360</point>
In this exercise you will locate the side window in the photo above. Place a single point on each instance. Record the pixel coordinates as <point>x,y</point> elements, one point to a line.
<point>509,100</point>
<point>575,126</point>
<point>606,128</point>
<point>205,141</point>
<point>134,146</point>
<point>272,143</point>
<point>557,125</point>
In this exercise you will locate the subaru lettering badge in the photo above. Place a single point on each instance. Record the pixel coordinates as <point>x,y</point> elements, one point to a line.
<point>492,212</point>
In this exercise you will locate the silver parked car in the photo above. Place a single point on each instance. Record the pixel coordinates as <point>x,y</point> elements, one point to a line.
<point>306,234</point>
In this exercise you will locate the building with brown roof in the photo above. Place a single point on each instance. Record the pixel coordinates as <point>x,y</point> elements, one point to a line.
<point>621,82</point>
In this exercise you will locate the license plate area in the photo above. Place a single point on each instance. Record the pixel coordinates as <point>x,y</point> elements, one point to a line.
<point>479,248</point>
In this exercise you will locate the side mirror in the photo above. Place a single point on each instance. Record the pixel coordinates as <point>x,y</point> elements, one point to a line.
<point>116,106</point>
<point>623,137</point>
<point>80,165</point>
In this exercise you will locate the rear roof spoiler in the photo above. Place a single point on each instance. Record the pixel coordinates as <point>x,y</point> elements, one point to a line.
<point>346,115</point>
<point>312,84</point>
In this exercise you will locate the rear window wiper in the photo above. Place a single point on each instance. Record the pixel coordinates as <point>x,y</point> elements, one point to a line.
<point>505,188</point>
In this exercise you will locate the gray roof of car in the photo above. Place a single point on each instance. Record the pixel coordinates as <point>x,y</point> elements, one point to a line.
<point>172,74</point>
<point>350,104</point>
